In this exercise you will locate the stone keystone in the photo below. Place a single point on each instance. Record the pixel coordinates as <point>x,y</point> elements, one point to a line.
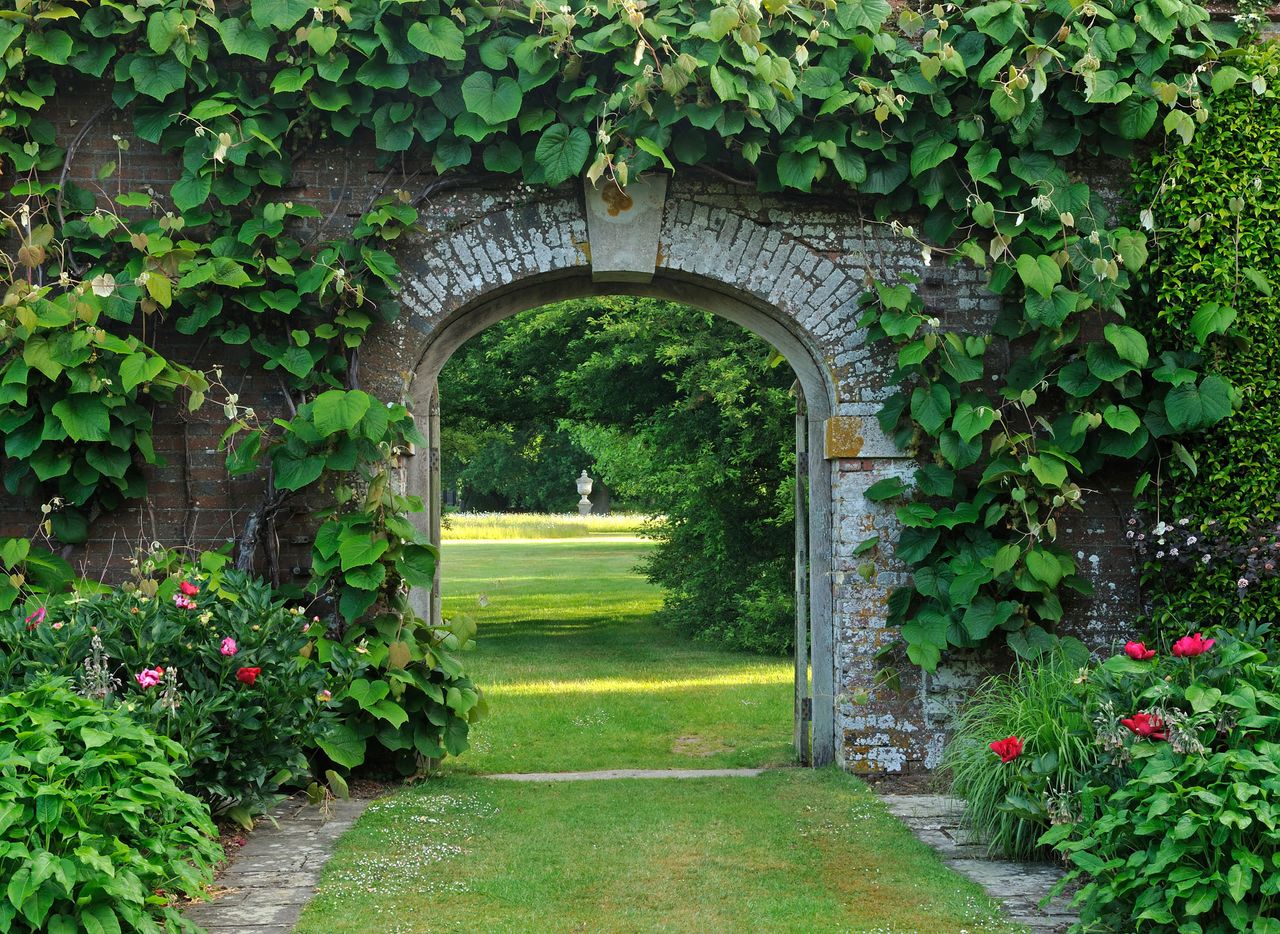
<point>623,228</point>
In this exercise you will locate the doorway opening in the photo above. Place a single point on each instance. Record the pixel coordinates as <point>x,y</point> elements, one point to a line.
<point>607,332</point>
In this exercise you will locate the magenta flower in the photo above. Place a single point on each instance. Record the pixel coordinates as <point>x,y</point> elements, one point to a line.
<point>149,677</point>
<point>229,647</point>
<point>1191,646</point>
<point>183,602</point>
<point>36,618</point>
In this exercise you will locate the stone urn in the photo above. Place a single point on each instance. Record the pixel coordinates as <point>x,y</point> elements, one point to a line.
<point>585,484</point>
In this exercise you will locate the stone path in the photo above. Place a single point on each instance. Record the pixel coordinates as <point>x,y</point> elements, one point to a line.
<point>625,773</point>
<point>274,875</point>
<point>936,819</point>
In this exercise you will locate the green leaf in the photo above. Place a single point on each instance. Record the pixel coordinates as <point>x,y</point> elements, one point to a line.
<point>1129,343</point>
<point>156,77</point>
<point>245,38</point>
<point>438,37</point>
<point>84,417</point>
<point>888,488</point>
<point>339,410</point>
<point>343,745</point>
<point>1044,566</point>
<point>1121,418</point>
<point>985,614</point>
<point>798,169</point>
<point>358,549</point>
<point>280,14</point>
<point>562,152</point>
<point>191,191</point>
<point>493,103</point>
<point>139,368</point>
<point>863,14</point>
<point>1211,318</point>
<point>1189,407</point>
<point>931,407</point>
<point>930,152</point>
<point>417,565</point>
<point>971,421</point>
<point>1039,273</point>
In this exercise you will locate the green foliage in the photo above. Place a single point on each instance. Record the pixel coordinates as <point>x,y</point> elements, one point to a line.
<point>684,416</point>
<point>95,832</point>
<point>243,742</point>
<point>1042,702</point>
<point>1211,291</point>
<point>395,679</point>
<point>74,399</point>
<point>1183,831</point>
<point>918,113</point>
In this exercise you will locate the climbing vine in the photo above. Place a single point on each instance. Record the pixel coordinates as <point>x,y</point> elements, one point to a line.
<point>970,120</point>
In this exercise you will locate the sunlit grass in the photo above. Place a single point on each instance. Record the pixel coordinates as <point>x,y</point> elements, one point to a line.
<point>794,851</point>
<point>501,526</point>
<point>579,677</point>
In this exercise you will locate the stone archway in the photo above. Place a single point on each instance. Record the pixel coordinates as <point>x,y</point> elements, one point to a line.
<point>520,250</point>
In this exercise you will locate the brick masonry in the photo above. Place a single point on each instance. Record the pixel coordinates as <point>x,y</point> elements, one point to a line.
<point>798,264</point>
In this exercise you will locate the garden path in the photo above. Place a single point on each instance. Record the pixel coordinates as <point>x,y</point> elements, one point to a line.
<point>937,821</point>
<point>273,876</point>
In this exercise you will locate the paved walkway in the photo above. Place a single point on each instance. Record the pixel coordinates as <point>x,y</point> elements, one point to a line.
<point>274,875</point>
<point>936,820</point>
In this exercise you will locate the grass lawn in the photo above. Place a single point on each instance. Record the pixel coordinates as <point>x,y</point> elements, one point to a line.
<point>577,676</point>
<point>793,850</point>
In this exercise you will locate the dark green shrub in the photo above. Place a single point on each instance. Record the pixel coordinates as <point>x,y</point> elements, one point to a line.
<point>1212,264</point>
<point>96,835</point>
<point>1042,703</point>
<point>1180,827</point>
<point>244,735</point>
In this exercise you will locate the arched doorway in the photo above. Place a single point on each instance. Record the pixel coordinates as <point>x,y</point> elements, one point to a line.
<point>815,701</point>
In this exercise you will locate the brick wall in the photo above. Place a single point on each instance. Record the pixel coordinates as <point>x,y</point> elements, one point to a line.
<point>802,261</point>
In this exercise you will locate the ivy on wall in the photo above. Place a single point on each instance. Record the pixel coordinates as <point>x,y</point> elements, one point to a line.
<point>966,118</point>
<point>1213,205</point>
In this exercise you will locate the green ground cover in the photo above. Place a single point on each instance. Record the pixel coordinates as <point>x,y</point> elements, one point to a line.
<point>578,676</point>
<point>794,850</point>
<point>491,526</point>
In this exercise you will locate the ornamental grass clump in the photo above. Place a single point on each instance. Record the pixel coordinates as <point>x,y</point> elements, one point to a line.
<point>1178,828</point>
<point>1028,722</point>
<point>96,833</point>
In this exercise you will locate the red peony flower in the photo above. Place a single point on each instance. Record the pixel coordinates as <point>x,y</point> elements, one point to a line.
<point>248,675</point>
<point>1007,749</point>
<point>1191,646</point>
<point>189,588</point>
<point>1146,725</point>
<point>1138,651</point>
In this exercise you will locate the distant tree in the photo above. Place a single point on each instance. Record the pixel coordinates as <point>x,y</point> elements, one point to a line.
<point>683,415</point>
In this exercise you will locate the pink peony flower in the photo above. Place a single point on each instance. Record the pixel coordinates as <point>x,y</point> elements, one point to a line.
<point>183,602</point>
<point>229,647</point>
<point>1191,646</point>
<point>58,625</point>
<point>149,677</point>
<point>1138,651</point>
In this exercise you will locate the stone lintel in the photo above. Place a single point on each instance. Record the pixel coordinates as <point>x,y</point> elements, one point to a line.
<point>623,227</point>
<point>850,436</point>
